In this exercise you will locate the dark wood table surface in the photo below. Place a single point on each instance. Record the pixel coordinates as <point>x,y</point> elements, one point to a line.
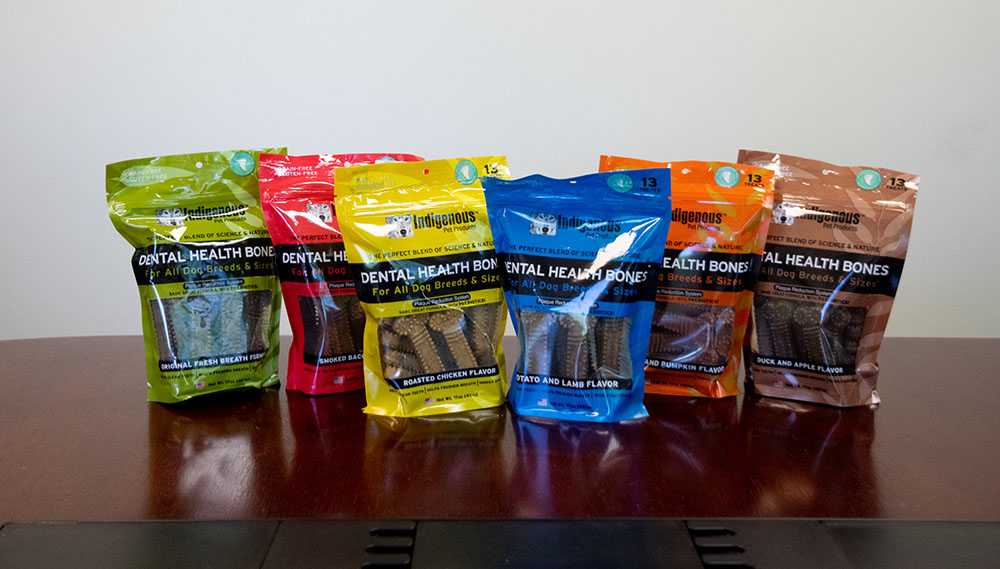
<point>78,441</point>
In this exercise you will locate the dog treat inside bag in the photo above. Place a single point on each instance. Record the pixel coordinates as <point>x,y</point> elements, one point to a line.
<point>419,243</point>
<point>581,258</point>
<point>834,255</point>
<point>719,223</point>
<point>205,269</point>
<point>327,321</point>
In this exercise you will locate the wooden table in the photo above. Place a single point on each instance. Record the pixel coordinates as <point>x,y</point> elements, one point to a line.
<point>78,441</point>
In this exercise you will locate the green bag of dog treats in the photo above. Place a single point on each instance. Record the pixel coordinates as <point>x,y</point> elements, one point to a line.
<point>205,268</point>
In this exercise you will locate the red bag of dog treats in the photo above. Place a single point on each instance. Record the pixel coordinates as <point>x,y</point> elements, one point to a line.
<point>327,321</point>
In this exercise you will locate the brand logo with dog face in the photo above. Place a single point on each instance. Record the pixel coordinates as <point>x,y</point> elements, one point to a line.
<point>321,211</point>
<point>782,215</point>
<point>399,226</point>
<point>543,224</point>
<point>171,217</point>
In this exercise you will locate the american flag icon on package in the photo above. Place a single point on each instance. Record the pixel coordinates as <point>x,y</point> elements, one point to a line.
<point>200,385</point>
<point>429,401</point>
<point>543,402</point>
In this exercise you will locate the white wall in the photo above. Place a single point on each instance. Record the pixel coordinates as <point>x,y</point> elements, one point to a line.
<point>911,86</point>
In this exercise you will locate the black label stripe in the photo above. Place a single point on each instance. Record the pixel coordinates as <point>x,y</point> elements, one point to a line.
<point>313,263</point>
<point>207,362</point>
<point>445,376</point>
<point>704,270</point>
<point>316,360</point>
<point>426,278</point>
<point>564,279</point>
<point>834,271</point>
<point>661,364</point>
<point>581,384</point>
<point>799,365</point>
<point>165,263</point>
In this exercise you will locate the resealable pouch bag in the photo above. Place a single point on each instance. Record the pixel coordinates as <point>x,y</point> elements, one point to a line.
<point>419,244</point>
<point>580,259</point>
<point>205,268</point>
<point>831,266</point>
<point>718,225</point>
<point>326,319</point>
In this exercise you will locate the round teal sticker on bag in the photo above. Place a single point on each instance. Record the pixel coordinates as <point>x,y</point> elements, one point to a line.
<point>620,183</point>
<point>727,176</point>
<point>466,173</point>
<point>242,163</point>
<point>868,179</point>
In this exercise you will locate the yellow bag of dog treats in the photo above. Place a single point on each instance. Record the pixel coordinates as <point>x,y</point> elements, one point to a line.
<point>419,244</point>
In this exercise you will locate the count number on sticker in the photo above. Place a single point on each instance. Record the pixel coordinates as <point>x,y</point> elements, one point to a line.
<point>753,178</point>
<point>649,182</point>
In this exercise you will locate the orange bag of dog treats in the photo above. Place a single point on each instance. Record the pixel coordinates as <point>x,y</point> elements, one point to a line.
<point>717,231</point>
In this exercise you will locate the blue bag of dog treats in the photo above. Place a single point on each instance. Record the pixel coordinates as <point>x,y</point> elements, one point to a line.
<point>580,259</point>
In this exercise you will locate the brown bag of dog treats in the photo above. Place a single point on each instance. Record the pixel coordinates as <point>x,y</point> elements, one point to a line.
<point>831,265</point>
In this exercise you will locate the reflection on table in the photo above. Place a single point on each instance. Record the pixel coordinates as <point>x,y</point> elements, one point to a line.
<point>80,443</point>
<point>214,457</point>
<point>233,457</point>
<point>809,460</point>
